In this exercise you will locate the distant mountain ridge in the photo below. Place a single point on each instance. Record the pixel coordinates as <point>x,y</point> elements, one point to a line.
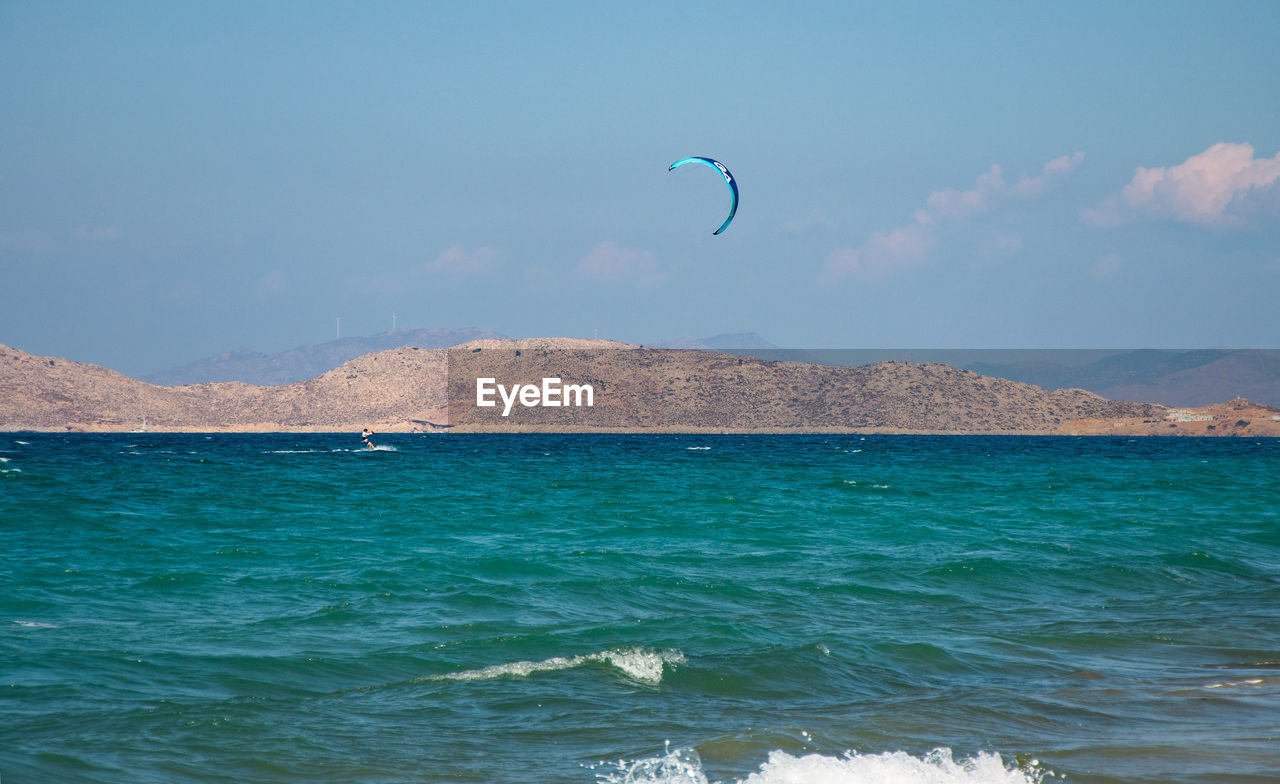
<point>1176,378</point>
<point>303,362</point>
<point>737,341</point>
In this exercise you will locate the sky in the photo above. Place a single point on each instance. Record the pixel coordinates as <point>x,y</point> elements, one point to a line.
<point>180,179</point>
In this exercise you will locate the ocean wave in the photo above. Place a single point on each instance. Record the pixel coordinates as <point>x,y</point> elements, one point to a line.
<point>684,766</point>
<point>640,664</point>
<point>1244,683</point>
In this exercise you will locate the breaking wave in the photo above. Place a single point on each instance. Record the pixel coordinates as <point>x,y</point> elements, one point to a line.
<point>639,664</point>
<point>684,766</point>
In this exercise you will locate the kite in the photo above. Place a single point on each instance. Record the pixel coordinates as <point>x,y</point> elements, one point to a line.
<point>728,178</point>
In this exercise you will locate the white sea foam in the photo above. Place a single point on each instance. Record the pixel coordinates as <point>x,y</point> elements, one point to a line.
<point>640,664</point>
<point>684,766</point>
<point>1244,683</point>
<point>697,447</point>
<point>36,625</point>
<point>292,451</point>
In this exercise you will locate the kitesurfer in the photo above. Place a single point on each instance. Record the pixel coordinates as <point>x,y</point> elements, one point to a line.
<point>365,438</point>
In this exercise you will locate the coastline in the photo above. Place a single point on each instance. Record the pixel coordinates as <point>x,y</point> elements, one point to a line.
<point>1081,429</point>
<point>639,391</point>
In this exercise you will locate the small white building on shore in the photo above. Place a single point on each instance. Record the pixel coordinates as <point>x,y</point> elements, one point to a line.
<point>1187,415</point>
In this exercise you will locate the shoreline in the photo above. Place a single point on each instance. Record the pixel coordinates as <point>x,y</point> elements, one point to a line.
<point>535,431</point>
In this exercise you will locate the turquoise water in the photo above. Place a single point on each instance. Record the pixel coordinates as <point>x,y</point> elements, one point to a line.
<point>803,609</point>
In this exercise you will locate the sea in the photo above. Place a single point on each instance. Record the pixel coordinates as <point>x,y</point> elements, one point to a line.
<point>764,609</point>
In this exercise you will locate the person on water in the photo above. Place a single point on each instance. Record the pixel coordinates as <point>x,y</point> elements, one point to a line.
<point>365,438</point>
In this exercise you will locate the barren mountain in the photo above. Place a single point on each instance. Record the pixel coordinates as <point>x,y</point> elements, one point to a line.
<point>642,388</point>
<point>385,390</point>
<point>411,389</point>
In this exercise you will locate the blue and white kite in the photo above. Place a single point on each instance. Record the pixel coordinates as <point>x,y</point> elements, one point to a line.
<point>728,178</point>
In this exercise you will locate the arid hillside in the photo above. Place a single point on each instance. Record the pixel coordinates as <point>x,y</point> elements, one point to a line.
<point>641,388</point>
<point>388,390</point>
<point>1239,418</point>
<point>423,390</point>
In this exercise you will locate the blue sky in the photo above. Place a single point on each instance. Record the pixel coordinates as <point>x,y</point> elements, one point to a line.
<point>178,179</point>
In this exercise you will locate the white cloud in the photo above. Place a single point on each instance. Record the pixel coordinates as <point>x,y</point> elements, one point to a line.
<point>951,203</point>
<point>610,263</point>
<point>1034,186</point>
<point>908,245</point>
<point>456,262</point>
<point>899,248</point>
<point>841,262</point>
<point>1216,188</point>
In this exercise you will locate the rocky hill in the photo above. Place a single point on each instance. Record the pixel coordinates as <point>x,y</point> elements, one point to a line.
<point>694,389</point>
<point>413,389</point>
<point>387,390</point>
<point>1239,418</point>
